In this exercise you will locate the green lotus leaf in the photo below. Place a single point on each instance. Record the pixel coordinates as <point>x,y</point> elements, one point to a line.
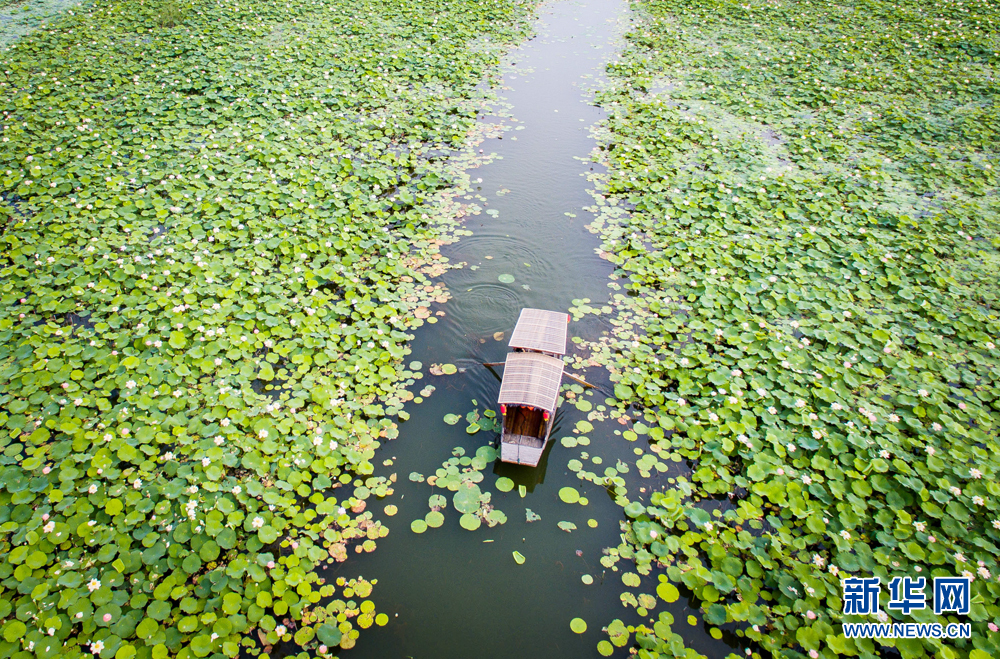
<point>519,558</point>
<point>13,630</point>
<point>328,634</point>
<point>158,610</point>
<point>191,564</point>
<point>578,625</point>
<point>267,534</point>
<point>452,419</point>
<point>668,592</point>
<point>486,453</point>
<point>201,645</point>
<point>506,279</point>
<point>147,628</point>
<point>635,509</point>
<point>469,522</point>
<point>434,519</point>
<point>418,526</point>
<point>569,495</point>
<point>467,499</point>
<point>504,484</point>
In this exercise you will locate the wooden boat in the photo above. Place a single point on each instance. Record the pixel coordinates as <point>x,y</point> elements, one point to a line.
<point>529,391</point>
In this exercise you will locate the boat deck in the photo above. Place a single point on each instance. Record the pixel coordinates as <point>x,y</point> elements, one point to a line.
<point>518,454</point>
<point>524,440</point>
<point>521,422</point>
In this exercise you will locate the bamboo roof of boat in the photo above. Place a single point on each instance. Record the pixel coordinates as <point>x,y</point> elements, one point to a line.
<point>532,379</point>
<point>544,331</point>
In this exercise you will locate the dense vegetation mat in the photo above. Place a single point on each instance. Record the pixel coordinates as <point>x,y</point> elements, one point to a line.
<point>802,205</point>
<point>218,220</point>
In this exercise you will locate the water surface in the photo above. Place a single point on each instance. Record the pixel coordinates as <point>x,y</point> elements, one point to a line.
<point>449,594</point>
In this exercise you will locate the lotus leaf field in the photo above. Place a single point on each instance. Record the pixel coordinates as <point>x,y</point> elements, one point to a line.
<point>221,222</point>
<point>218,222</point>
<point>801,201</point>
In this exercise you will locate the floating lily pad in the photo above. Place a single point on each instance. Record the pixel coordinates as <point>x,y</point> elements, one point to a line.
<point>531,516</point>
<point>416,478</point>
<point>473,428</point>
<point>567,526</point>
<point>568,442</point>
<point>519,558</point>
<point>504,484</point>
<point>416,366</point>
<point>506,279</point>
<point>569,494</point>
<point>437,501</point>
<point>418,526</point>
<point>578,625</point>
<point>449,369</point>
<point>452,419</point>
<point>470,522</point>
<point>592,523</point>
<point>584,426</point>
<point>668,592</point>
<point>587,579</point>
<point>487,453</point>
<point>496,516</point>
<point>467,499</point>
<point>390,510</point>
<point>434,519</point>
<point>605,649</point>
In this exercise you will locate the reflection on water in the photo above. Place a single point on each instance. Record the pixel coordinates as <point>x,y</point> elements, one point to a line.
<point>455,594</point>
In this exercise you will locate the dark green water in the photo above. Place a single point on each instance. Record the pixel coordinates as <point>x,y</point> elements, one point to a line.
<point>449,594</point>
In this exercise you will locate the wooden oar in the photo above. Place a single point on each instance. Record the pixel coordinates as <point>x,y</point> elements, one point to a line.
<point>572,377</point>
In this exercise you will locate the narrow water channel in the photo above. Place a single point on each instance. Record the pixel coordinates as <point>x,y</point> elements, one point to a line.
<point>456,594</point>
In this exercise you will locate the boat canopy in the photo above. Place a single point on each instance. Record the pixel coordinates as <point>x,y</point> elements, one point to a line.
<point>531,379</point>
<point>541,330</point>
